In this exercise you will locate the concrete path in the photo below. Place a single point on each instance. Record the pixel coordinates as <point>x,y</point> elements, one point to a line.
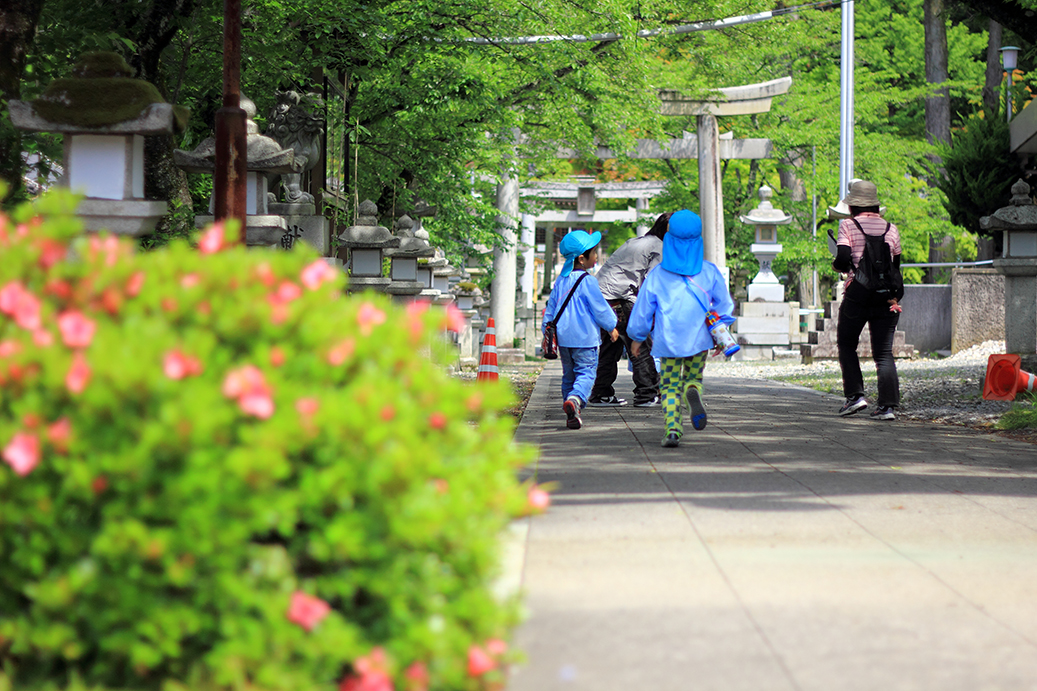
<point>780,548</point>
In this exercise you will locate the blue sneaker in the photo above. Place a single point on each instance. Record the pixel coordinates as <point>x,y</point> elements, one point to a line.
<point>698,411</point>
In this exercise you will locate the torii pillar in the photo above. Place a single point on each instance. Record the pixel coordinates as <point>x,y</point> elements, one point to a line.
<point>505,261</point>
<point>736,100</point>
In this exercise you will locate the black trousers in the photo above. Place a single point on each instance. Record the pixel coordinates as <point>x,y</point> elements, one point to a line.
<point>646,379</point>
<point>859,307</point>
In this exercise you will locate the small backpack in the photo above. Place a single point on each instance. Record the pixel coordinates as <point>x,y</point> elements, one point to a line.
<point>876,271</point>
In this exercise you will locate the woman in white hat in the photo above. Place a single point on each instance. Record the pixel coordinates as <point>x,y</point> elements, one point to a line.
<point>868,301</point>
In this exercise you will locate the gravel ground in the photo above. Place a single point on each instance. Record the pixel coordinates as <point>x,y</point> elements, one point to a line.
<point>948,390</point>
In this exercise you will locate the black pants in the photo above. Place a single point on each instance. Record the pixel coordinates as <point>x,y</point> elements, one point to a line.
<point>859,307</point>
<point>646,379</point>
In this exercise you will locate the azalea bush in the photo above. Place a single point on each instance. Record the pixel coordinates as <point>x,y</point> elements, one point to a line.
<point>221,473</point>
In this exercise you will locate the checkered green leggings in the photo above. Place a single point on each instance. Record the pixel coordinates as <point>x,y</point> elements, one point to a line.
<point>678,374</point>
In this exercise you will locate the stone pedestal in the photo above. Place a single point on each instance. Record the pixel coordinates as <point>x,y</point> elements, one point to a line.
<point>303,225</point>
<point>822,344</point>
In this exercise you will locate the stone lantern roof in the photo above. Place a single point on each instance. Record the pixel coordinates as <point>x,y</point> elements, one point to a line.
<point>101,97</point>
<point>264,154</point>
<point>765,213</point>
<point>366,233</point>
<point>1020,214</point>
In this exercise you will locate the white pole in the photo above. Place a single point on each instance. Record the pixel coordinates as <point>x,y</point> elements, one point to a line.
<point>846,100</point>
<point>814,288</point>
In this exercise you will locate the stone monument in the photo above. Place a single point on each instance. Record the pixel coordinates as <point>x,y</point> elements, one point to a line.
<point>1018,264</point>
<point>295,126</point>
<point>366,241</point>
<point>104,115</point>
<point>265,158</point>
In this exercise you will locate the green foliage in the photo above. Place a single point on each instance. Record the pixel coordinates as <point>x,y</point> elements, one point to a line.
<point>202,435</point>
<point>978,175</point>
<point>1022,414</point>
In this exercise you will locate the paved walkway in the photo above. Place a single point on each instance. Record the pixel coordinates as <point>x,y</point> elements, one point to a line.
<point>780,548</point>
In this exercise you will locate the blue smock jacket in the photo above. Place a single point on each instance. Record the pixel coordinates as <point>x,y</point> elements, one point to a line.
<point>588,310</point>
<point>679,318</point>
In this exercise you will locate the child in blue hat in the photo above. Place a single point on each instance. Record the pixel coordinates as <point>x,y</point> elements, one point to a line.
<point>671,306</point>
<point>578,334</point>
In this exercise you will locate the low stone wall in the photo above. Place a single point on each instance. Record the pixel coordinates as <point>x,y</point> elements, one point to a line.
<point>977,307</point>
<point>926,319</point>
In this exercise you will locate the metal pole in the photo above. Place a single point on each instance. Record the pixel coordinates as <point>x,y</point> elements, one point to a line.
<point>814,287</point>
<point>846,100</point>
<point>230,192</point>
<point>1008,94</point>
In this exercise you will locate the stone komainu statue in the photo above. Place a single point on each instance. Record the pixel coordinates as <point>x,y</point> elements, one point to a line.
<point>296,123</point>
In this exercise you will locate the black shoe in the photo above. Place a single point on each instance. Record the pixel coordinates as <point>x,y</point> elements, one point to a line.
<point>698,411</point>
<point>650,403</point>
<point>607,402</point>
<point>572,413</point>
<point>852,405</point>
<point>883,413</point>
<point>671,441</point>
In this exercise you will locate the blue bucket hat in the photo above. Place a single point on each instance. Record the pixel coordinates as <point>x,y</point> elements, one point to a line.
<point>682,244</point>
<point>573,245</point>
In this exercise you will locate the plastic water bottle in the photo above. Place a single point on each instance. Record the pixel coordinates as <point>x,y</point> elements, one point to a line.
<point>722,337</point>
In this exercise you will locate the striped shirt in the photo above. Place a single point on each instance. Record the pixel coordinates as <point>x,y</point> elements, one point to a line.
<point>872,224</point>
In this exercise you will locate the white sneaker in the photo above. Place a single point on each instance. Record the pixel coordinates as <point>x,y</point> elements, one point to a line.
<point>607,402</point>
<point>648,404</point>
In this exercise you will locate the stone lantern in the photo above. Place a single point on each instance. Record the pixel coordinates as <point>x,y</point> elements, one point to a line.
<point>1018,264</point>
<point>104,115</point>
<point>366,242</point>
<point>265,158</point>
<point>442,273</point>
<point>404,268</point>
<point>766,219</point>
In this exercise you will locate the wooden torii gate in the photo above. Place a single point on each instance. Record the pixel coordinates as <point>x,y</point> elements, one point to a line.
<point>706,146</point>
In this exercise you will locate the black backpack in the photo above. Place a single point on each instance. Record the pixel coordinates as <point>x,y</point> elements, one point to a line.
<point>876,271</point>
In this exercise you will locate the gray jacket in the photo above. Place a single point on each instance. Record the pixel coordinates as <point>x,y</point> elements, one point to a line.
<point>621,276</point>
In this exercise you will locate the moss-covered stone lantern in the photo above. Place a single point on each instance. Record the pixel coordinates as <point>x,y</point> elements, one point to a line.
<point>104,114</point>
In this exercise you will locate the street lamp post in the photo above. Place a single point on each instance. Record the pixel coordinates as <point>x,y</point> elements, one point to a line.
<point>1010,60</point>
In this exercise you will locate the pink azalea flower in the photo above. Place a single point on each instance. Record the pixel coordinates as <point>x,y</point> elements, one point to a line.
<point>277,356</point>
<point>42,338</point>
<point>373,674</point>
<point>190,280</point>
<point>51,252</point>
<point>266,275</point>
<point>22,453</point>
<point>212,239</point>
<point>60,433</point>
<point>243,380</point>
<point>78,374</point>
<point>455,321</point>
<point>341,352</point>
<point>369,317</point>
<point>316,273</point>
<point>76,329</point>
<point>307,406</point>
<point>496,647</point>
<point>417,308</point>
<point>176,365</point>
<point>437,420</point>
<point>306,610</point>
<point>134,284</point>
<point>417,677</point>
<point>109,245</point>
<point>538,499</point>
<point>19,303</point>
<point>9,348</point>
<point>249,387</point>
<point>259,405</point>
<point>288,291</point>
<point>479,661</point>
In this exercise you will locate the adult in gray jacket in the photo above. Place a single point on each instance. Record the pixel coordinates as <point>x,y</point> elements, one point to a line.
<point>620,277</point>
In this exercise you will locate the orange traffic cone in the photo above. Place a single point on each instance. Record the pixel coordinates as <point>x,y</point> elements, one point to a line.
<point>488,357</point>
<point>1005,378</point>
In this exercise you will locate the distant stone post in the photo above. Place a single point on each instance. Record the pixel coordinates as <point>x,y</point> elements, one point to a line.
<point>1018,264</point>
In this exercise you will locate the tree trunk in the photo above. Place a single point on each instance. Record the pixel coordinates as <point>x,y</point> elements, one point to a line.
<point>18,20</point>
<point>937,114</point>
<point>788,175</point>
<point>992,77</point>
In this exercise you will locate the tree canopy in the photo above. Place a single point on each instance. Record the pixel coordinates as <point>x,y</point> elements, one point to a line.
<point>421,116</point>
